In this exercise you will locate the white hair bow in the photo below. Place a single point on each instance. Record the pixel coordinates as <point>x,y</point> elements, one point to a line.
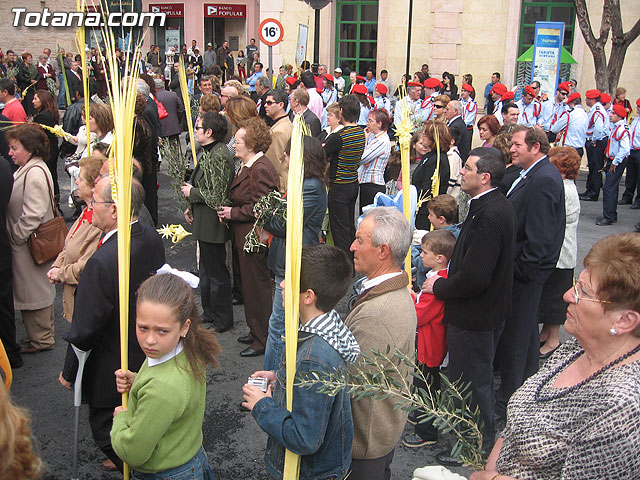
<point>190,278</point>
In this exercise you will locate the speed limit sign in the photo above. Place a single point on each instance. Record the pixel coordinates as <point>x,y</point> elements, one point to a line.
<point>271,32</point>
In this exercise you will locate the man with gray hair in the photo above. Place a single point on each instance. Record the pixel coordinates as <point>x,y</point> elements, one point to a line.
<point>262,87</point>
<point>453,113</point>
<point>299,101</point>
<point>150,179</point>
<point>383,315</point>
<point>96,318</point>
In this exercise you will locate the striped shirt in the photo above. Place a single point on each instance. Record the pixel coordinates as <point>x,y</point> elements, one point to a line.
<point>331,328</point>
<point>374,159</point>
<point>345,151</point>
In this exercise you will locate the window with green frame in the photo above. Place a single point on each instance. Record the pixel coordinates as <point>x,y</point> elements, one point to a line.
<point>356,35</point>
<point>546,11</point>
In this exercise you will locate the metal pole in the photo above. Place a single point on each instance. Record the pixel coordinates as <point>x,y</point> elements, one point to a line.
<point>409,39</point>
<point>77,403</point>
<point>270,68</point>
<point>316,41</point>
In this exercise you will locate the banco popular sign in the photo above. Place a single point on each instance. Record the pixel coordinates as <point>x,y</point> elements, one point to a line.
<point>217,10</point>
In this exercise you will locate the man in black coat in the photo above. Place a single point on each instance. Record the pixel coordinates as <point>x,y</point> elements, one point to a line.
<point>150,180</point>
<point>537,196</point>
<point>458,128</point>
<point>96,317</point>
<point>299,100</point>
<point>477,293</point>
<point>7,313</point>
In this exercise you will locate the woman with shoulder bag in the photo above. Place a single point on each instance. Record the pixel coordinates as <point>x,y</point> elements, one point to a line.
<point>30,206</point>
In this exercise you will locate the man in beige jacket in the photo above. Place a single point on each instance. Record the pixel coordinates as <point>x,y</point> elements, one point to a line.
<point>383,315</point>
<point>281,127</point>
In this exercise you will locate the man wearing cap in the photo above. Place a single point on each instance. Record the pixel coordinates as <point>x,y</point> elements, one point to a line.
<point>571,124</point>
<point>380,98</point>
<point>370,81</point>
<point>632,182</point>
<point>431,90</point>
<point>338,80</point>
<point>605,100</point>
<point>469,111</point>
<point>322,70</point>
<point>597,137</point>
<point>530,108</point>
<point>552,109</point>
<point>410,103</point>
<point>209,58</point>
<point>496,93</point>
<point>616,153</point>
<point>329,95</point>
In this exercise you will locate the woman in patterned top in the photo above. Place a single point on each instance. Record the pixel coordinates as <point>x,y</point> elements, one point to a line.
<point>579,417</point>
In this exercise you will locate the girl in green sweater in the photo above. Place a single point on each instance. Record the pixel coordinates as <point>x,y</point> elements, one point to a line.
<point>160,433</point>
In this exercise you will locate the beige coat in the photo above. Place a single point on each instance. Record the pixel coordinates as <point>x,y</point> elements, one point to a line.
<point>81,242</point>
<point>384,315</point>
<point>280,135</point>
<point>25,212</point>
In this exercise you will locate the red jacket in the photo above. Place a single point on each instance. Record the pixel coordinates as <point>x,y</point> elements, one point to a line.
<point>432,333</point>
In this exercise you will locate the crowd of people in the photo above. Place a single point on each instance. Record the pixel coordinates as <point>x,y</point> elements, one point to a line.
<point>493,243</point>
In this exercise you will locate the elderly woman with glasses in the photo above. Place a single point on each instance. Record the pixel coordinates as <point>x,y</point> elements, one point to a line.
<point>579,416</point>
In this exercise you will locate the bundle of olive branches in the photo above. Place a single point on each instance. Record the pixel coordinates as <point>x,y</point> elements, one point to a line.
<point>379,376</point>
<point>51,85</point>
<point>271,205</point>
<point>217,174</point>
<point>194,108</point>
<point>12,72</point>
<point>177,166</point>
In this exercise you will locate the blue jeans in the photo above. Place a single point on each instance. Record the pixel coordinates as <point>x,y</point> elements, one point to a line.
<point>62,98</point>
<point>195,469</point>
<point>275,345</point>
<point>610,191</point>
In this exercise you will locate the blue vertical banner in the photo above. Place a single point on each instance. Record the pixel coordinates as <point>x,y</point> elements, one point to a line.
<point>547,50</point>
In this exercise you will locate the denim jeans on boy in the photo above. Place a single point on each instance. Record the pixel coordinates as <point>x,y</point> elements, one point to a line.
<point>195,469</point>
<point>275,345</point>
<point>62,96</point>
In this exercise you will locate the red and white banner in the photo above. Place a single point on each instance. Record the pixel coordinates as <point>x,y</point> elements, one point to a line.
<point>170,9</point>
<point>217,10</point>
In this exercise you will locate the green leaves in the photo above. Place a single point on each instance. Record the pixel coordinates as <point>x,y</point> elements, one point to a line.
<point>271,205</point>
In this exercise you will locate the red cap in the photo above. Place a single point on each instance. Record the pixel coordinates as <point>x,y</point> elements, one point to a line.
<point>381,87</point>
<point>592,93</point>
<point>499,88</point>
<point>508,95</point>
<point>360,78</point>
<point>329,77</point>
<point>572,97</point>
<point>620,111</point>
<point>372,101</point>
<point>605,98</point>
<point>467,87</point>
<point>291,80</point>
<point>529,90</point>
<point>566,86</point>
<point>638,102</point>
<point>359,89</point>
<point>432,82</point>
<point>319,90</point>
<point>414,84</point>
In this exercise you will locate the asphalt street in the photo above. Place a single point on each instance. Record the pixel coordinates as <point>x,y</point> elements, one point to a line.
<point>232,440</point>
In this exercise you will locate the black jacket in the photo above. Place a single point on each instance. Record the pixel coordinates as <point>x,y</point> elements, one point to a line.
<point>477,293</point>
<point>96,324</point>
<point>422,180</point>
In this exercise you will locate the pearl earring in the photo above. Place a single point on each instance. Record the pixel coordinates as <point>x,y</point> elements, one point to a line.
<point>613,331</point>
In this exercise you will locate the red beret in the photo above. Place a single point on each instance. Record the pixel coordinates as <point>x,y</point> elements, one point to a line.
<point>592,93</point>
<point>529,90</point>
<point>573,96</point>
<point>638,102</point>
<point>508,95</point>
<point>431,82</point>
<point>329,77</point>
<point>566,86</point>
<point>360,78</point>
<point>319,90</point>
<point>499,88</point>
<point>467,87</point>
<point>605,98</point>
<point>414,84</point>
<point>620,111</point>
<point>381,87</point>
<point>359,89</point>
<point>291,80</point>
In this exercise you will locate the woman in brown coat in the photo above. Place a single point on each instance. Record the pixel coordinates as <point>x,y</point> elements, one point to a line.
<point>82,239</point>
<point>31,204</point>
<point>256,178</point>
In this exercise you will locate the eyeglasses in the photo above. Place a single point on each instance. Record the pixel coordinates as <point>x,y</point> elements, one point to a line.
<point>579,294</point>
<point>435,105</point>
<point>564,94</point>
<point>198,127</point>
<point>93,202</point>
<point>269,102</point>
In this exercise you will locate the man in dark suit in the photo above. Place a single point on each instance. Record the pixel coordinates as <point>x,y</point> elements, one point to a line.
<point>477,293</point>
<point>175,108</point>
<point>537,196</point>
<point>458,128</point>
<point>96,317</point>
<point>150,181</point>
<point>299,100</point>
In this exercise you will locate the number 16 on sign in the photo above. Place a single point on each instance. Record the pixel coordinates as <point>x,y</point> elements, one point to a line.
<point>271,33</point>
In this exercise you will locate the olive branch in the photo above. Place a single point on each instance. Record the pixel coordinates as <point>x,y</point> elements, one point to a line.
<point>271,205</point>
<point>177,166</point>
<point>380,376</point>
<point>217,174</point>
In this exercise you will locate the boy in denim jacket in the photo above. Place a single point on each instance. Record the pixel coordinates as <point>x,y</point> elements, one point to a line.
<point>320,427</point>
